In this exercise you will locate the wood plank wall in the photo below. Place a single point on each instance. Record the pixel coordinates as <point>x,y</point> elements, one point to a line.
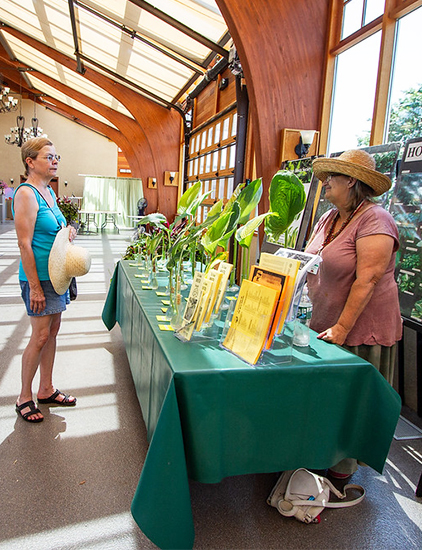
<point>213,100</point>
<point>281,46</point>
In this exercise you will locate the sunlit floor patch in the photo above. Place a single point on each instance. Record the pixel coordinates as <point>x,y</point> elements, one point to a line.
<point>92,414</point>
<point>411,508</point>
<point>406,430</point>
<point>100,533</point>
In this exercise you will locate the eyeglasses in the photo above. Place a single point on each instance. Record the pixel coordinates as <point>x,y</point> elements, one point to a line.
<point>50,158</point>
<point>330,177</point>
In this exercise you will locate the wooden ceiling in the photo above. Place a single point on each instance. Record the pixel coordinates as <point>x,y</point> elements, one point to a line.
<point>282,48</point>
<point>119,67</point>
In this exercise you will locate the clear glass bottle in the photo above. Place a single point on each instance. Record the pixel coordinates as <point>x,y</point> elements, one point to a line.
<point>303,318</point>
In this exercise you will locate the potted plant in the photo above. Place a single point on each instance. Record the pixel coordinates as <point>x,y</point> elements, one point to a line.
<point>69,210</point>
<point>3,185</point>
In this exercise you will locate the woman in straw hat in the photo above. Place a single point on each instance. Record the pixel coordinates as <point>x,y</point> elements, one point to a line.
<point>354,293</point>
<point>37,221</point>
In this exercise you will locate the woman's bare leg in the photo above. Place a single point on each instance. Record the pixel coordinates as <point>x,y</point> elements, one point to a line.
<point>41,337</point>
<point>47,357</point>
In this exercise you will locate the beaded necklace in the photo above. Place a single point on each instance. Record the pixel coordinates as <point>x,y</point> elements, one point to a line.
<point>331,235</point>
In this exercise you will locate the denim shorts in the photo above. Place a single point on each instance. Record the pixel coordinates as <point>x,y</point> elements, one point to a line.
<point>54,302</point>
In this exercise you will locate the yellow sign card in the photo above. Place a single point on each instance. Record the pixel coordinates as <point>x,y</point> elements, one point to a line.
<point>167,328</point>
<point>251,321</point>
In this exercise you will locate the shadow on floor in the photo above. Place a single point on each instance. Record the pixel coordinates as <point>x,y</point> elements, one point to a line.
<point>68,482</point>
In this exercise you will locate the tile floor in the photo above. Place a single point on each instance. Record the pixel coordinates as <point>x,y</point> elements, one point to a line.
<point>67,483</point>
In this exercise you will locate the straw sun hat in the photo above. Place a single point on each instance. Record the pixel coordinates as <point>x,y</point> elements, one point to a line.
<point>66,261</point>
<point>355,163</point>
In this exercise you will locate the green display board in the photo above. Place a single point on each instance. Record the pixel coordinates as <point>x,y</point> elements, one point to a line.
<point>405,207</point>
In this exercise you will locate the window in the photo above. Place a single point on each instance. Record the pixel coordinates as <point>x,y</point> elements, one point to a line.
<point>374,76</point>
<point>212,155</point>
<point>405,114</point>
<point>354,95</point>
<point>358,13</point>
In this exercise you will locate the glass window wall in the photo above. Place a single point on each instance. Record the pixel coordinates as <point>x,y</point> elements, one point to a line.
<point>354,95</point>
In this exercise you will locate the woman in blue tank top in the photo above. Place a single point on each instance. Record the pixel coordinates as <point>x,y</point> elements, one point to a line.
<point>37,221</point>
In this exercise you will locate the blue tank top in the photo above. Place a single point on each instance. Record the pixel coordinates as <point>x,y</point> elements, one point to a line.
<point>48,223</point>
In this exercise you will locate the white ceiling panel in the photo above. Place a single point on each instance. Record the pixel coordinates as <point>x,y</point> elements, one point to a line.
<point>54,93</point>
<point>73,80</point>
<point>156,48</point>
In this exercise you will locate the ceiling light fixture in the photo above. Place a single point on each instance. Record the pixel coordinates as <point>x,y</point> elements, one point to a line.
<point>19,134</point>
<point>8,103</point>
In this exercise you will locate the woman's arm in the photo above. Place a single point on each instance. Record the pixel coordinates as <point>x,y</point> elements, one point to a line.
<point>373,256</point>
<point>26,210</point>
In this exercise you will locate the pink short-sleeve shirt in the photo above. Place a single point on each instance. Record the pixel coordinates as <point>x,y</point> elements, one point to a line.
<point>380,322</point>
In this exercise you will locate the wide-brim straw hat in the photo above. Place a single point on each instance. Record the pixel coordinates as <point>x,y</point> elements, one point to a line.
<point>66,261</point>
<point>355,163</point>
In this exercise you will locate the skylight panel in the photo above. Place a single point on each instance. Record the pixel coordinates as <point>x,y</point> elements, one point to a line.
<point>56,94</point>
<point>20,14</point>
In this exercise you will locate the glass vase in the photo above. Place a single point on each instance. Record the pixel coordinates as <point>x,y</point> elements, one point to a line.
<point>153,281</point>
<point>176,303</point>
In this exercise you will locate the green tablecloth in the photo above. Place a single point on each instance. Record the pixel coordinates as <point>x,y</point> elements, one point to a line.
<point>210,415</point>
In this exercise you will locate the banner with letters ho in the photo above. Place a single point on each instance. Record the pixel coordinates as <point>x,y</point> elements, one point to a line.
<point>406,208</point>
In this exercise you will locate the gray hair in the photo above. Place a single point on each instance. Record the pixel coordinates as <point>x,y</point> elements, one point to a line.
<point>359,192</point>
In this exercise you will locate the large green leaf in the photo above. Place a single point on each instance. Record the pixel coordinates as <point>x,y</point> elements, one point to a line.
<point>245,233</point>
<point>221,230</point>
<point>213,214</point>
<point>175,250</point>
<point>231,226</point>
<point>214,233</point>
<point>193,207</point>
<point>249,199</point>
<point>234,197</point>
<point>188,198</point>
<point>154,242</point>
<point>156,219</point>
<point>287,199</point>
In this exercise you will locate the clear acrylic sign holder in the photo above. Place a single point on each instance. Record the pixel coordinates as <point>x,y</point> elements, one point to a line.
<point>281,349</point>
<point>279,353</point>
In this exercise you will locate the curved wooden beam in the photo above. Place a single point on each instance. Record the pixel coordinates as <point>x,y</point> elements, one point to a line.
<point>117,119</point>
<point>88,122</point>
<point>285,90</point>
<point>156,138</point>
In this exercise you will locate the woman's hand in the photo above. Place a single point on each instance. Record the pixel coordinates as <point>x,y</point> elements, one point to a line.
<point>373,256</point>
<point>72,233</point>
<point>36,299</point>
<point>334,335</point>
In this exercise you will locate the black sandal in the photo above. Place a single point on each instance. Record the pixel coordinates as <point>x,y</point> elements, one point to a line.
<point>33,410</point>
<point>52,400</point>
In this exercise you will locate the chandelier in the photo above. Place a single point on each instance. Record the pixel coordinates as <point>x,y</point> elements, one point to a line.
<point>7,102</point>
<point>19,134</point>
